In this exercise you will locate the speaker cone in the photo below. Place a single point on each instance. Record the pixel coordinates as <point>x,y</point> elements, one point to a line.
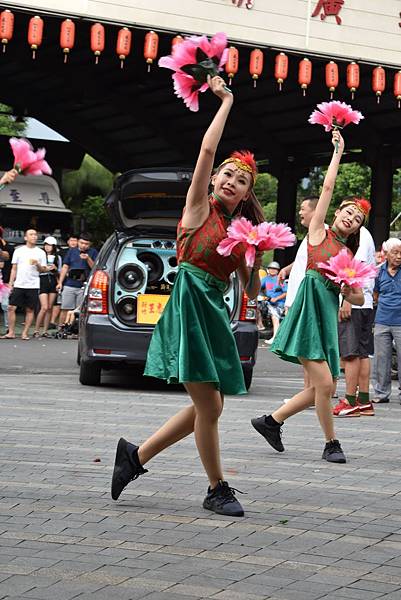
<point>171,277</point>
<point>153,264</point>
<point>131,277</point>
<point>126,309</point>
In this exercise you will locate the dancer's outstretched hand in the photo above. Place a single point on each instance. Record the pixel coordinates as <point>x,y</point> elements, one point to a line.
<point>219,87</point>
<point>337,138</point>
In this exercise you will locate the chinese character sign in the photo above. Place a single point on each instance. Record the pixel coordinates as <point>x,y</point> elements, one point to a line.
<point>328,8</point>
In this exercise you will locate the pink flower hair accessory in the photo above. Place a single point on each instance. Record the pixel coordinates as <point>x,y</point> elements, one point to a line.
<point>335,115</point>
<point>265,236</point>
<point>347,270</point>
<point>192,61</point>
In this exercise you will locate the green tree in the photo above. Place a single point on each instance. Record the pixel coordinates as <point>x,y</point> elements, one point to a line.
<point>91,179</point>
<point>96,218</point>
<point>266,192</point>
<point>8,124</point>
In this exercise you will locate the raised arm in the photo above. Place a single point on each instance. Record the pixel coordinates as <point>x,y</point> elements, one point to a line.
<point>316,232</point>
<point>197,206</point>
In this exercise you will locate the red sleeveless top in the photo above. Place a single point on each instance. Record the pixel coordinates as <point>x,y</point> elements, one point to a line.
<point>198,246</point>
<point>330,246</point>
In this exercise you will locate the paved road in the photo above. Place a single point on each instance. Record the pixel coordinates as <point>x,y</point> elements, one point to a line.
<point>311,531</point>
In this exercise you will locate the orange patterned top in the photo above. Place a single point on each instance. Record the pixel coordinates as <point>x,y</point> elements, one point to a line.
<point>330,246</point>
<point>198,246</point>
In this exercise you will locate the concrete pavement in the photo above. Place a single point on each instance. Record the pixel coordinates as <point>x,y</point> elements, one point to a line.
<point>311,531</point>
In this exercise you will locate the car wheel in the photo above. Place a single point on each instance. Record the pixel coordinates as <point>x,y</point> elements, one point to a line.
<point>89,373</point>
<point>248,372</point>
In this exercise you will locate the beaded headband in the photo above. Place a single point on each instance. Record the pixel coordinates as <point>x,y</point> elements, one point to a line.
<point>362,205</point>
<point>244,160</point>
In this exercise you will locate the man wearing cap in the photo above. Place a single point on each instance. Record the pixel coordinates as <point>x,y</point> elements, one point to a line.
<point>275,294</point>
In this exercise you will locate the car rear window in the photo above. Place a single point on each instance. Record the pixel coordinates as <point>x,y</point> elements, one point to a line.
<point>156,201</point>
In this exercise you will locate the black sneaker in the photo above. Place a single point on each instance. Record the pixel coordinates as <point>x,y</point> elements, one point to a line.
<point>271,433</point>
<point>126,467</point>
<point>222,500</point>
<point>333,452</point>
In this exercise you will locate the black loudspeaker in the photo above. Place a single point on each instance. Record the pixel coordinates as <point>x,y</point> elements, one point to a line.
<point>126,309</point>
<point>132,277</point>
<point>153,264</point>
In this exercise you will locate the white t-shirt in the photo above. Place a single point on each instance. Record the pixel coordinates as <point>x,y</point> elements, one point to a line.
<point>297,272</point>
<point>28,274</point>
<point>366,253</point>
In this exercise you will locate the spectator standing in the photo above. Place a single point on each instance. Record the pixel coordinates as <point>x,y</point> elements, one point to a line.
<point>27,262</point>
<point>6,252</point>
<point>275,296</point>
<point>48,284</point>
<point>387,329</point>
<point>77,265</point>
<point>355,336</point>
<point>72,242</point>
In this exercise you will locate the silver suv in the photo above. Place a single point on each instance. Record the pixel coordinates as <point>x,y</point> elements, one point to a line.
<point>133,276</point>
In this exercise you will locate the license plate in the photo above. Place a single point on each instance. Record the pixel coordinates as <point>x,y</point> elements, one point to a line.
<point>150,307</point>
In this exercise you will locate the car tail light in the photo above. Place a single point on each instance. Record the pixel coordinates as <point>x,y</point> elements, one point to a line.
<point>248,309</point>
<point>98,293</point>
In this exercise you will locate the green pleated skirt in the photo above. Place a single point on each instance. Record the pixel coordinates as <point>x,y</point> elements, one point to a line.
<point>193,340</point>
<point>310,328</point>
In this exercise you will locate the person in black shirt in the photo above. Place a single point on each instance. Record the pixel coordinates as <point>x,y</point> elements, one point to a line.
<point>6,252</point>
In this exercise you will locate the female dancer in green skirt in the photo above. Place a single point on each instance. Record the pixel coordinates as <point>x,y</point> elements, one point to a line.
<point>308,334</point>
<point>193,343</point>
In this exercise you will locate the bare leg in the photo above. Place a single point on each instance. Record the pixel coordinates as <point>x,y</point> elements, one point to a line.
<point>322,381</point>
<point>43,309</point>
<point>352,370</point>
<point>29,314</point>
<point>55,313</point>
<point>297,404</point>
<point>276,323</point>
<point>202,418</point>
<point>51,298</point>
<point>364,374</point>
<point>174,430</point>
<point>11,320</point>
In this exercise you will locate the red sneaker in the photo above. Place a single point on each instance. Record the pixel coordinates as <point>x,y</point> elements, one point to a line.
<point>344,409</point>
<point>366,410</point>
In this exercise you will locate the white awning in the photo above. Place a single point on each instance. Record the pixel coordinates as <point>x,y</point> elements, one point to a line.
<point>39,193</point>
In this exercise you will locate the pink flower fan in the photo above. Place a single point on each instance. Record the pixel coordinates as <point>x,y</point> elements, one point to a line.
<point>344,269</point>
<point>334,114</point>
<point>265,236</point>
<point>26,161</point>
<point>193,60</point>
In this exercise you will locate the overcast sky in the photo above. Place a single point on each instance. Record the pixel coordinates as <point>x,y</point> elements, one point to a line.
<point>38,130</point>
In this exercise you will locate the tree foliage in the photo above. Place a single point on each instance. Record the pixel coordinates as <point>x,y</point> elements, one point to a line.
<point>8,124</point>
<point>96,219</point>
<point>91,179</point>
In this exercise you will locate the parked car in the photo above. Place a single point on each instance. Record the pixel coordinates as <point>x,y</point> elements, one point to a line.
<point>134,273</point>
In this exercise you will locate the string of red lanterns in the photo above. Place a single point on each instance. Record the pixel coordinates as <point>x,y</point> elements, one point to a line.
<point>151,47</point>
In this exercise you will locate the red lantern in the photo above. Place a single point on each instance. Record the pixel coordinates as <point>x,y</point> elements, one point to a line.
<point>353,78</point>
<point>67,37</point>
<point>97,40</point>
<point>123,47</point>
<point>35,34</point>
<point>6,27</point>
<point>178,39</point>
<point>256,64</point>
<point>150,47</point>
<point>331,77</point>
<point>304,74</point>
<point>378,81</point>
<point>397,88</point>
<point>231,65</point>
<point>281,69</point>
